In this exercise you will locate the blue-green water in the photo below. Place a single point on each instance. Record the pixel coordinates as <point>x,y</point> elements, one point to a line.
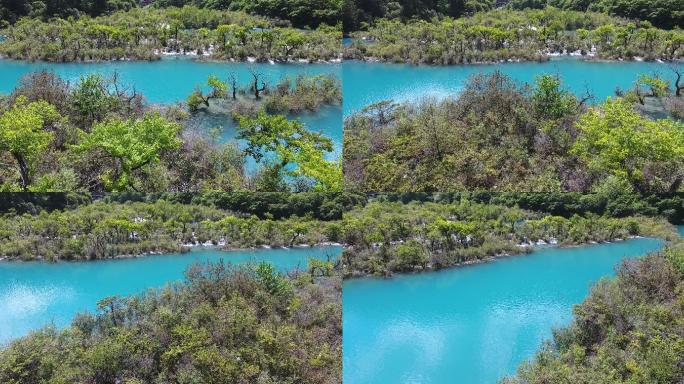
<point>470,325</point>
<point>163,81</point>
<point>364,83</point>
<point>171,80</point>
<point>34,294</point>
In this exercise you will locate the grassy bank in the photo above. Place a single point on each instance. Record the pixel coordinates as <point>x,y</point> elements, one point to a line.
<point>400,237</point>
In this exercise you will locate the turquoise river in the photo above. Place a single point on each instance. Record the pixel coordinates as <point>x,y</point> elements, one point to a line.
<point>472,324</point>
<point>364,83</point>
<point>34,294</point>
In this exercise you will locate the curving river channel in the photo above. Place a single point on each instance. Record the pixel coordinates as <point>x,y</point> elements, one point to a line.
<point>471,324</point>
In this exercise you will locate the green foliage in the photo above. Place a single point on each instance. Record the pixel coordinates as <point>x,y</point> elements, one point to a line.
<point>91,98</point>
<point>299,13</point>
<point>550,100</point>
<point>222,324</point>
<point>407,233</point>
<point>293,146</point>
<point>498,135</point>
<point>132,143</point>
<point>358,15</point>
<point>616,140</point>
<point>144,33</point>
<point>272,281</point>
<point>24,136</point>
<point>662,13</point>
<point>218,90</point>
<point>140,224</point>
<point>306,94</point>
<point>107,138</point>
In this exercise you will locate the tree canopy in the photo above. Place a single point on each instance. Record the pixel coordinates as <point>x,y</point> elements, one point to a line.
<point>132,144</point>
<point>24,134</point>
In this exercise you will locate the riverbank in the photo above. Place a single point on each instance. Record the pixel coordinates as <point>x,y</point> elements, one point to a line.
<point>146,33</point>
<point>616,319</point>
<point>525,249</point>
<point>102,230</point>
<point>183,249</point>
<point>433,236</point>
<point>540,57</point>
<point>193,56</point>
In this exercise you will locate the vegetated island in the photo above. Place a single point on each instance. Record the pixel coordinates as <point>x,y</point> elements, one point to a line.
<point>504,35</point>
<point>499,135</point>
<point>99,135</point>
<point>149,33</point>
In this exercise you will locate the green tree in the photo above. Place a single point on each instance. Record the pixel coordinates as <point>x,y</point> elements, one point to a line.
<point>297,150</point>
<point>272,281</point>
<point>218,90</point>
<point>550,100</point>
<point>91,99</point>
<point>132,144</point>
<point>23,134</point>
<point>617,140</point>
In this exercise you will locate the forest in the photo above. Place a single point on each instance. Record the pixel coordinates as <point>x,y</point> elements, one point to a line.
<point>148,33</point>
<point>301,14</point>
<point>499,135</point>
<point>245,324</point>
<point>100,135</point>
<point>507,35</point>
<point>360,14</point>
<point>628,330</point>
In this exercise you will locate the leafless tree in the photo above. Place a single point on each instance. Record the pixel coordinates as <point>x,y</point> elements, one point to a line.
<point>258,77</point>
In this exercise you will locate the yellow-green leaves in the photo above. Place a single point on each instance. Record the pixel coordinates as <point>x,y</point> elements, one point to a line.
<point>23,134</point>
<point>297,151</point>
<point>617,140</point>
<point>132,144</point>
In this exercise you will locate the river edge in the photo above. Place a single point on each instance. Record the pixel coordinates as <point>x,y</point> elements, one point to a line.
<point>183,249</point>
<point>550,56</point>
<point>186,56</point>
<point>526,249</point>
